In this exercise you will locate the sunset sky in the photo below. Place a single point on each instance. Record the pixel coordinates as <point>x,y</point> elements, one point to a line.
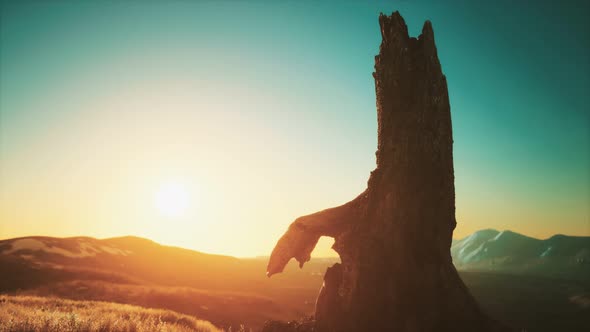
<point>213,125</point>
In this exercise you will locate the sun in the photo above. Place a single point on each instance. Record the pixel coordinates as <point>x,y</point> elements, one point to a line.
<point>172,200</point>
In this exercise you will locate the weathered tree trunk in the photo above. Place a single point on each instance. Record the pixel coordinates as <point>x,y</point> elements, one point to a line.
<point>394,239</point>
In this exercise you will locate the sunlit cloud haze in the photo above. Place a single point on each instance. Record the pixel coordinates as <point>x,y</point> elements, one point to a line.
<point>213,125</point>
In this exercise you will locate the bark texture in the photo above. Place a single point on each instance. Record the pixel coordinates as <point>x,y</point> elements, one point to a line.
<point>394,239</point>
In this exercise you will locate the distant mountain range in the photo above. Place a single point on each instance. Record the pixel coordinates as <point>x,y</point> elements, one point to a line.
<point>506,251</point>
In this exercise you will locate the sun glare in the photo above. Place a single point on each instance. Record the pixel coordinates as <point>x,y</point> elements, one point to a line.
<point>172,200</point>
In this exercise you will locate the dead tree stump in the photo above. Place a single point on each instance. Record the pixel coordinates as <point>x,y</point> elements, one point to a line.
<point>394,239</point>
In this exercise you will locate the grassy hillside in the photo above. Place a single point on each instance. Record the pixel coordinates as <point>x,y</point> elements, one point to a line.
<point>224,290</point>
<point>223,308</point>
<point>232,292</point>
<point>29,313</point>
<point>286,297</point>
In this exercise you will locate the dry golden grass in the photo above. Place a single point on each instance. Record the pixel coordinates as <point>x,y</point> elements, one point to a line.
<point>31,313</point>
<point>226,309</point>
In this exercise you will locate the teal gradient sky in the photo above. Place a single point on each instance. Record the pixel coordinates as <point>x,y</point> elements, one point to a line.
<point>267,110</point>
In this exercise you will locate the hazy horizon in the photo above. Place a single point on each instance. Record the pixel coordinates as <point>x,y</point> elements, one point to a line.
<point>212,126</point>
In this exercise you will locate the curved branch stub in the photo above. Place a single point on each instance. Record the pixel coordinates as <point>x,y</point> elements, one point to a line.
<point>303,234</point>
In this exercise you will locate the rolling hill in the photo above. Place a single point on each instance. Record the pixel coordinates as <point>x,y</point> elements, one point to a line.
<point>227,291</point>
